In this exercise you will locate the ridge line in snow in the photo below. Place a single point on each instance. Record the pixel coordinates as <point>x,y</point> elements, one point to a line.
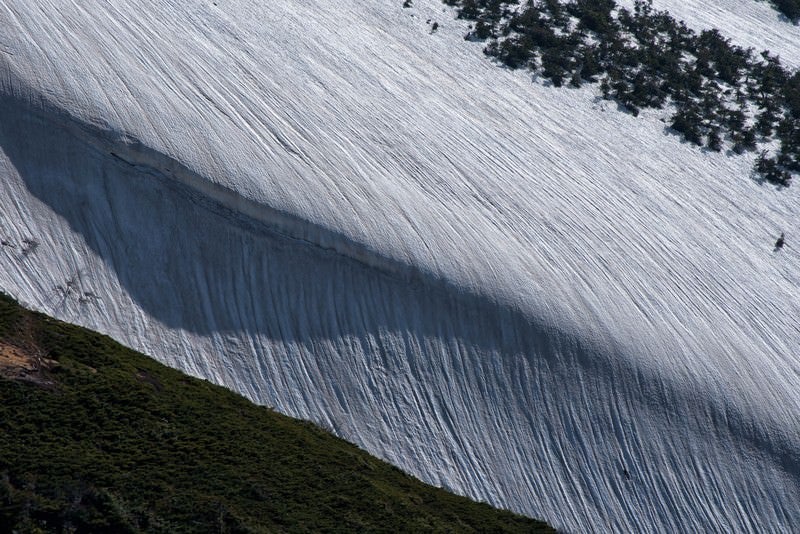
<point>131,151</point>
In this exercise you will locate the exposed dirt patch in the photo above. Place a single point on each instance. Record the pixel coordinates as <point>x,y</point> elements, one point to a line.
<point>28,364</point>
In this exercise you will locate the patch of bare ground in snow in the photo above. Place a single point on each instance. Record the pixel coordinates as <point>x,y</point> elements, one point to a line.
<point>25,361</point>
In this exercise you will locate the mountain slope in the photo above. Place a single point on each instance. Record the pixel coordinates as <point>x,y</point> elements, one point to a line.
<point>513,291</point>
<point>102,438</point>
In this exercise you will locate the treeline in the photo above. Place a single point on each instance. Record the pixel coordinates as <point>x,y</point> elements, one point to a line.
<point>723,95</point>
<point>789,8</point>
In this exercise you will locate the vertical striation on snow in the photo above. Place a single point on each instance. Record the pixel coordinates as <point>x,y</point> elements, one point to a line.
<point>506,289</point>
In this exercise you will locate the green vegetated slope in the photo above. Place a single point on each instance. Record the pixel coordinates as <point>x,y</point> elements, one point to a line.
<point>95,437</point>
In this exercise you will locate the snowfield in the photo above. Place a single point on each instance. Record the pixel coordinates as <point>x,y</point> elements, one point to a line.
<point>513,291</point>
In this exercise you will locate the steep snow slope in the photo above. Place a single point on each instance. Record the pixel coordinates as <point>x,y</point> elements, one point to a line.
<point>510,290</point>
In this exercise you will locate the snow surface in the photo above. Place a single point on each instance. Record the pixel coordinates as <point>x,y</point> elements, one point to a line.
<point>513,291</point>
